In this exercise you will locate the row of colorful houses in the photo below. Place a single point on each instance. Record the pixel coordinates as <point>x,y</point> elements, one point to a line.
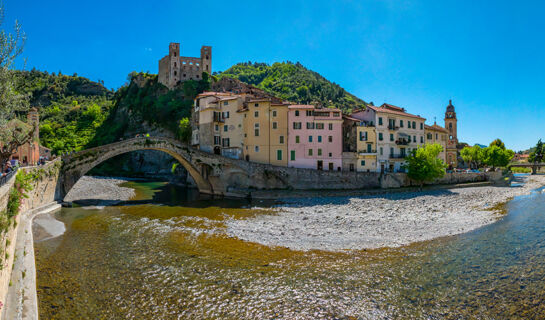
<point>271,131</point>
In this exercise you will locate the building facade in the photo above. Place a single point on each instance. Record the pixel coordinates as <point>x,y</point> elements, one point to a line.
<point>436,134</point>
<point>29,153</point>
<point>265,132</point>
<point>174,68</point>
<point>315,137</point>
<point>359,143</point>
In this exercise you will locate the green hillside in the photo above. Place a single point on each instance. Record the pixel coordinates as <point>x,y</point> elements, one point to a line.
<point>71,108</point>
<point>295,83</point>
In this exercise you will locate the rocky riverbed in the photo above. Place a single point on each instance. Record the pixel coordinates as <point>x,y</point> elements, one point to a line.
<point>385,220</point>
<point>99,190</point>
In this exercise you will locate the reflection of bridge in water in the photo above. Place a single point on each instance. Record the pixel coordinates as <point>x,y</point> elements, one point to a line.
<point>535,166</point>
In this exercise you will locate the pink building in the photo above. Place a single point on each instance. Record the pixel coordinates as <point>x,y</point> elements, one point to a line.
<point>314,137</point>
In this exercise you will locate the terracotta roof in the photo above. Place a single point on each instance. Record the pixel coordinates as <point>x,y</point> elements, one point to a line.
<point>212,93</point>
<point>301,106</point>
<point>260,100</point>
<point>391,109</point>
<point>350,118</point>
<point>436,127</point>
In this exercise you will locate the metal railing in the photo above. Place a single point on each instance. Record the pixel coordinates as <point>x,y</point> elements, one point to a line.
<point>5,177</point>
<point>398,156</point>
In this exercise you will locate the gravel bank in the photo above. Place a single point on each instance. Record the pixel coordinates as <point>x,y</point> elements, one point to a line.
<point>104,189</point>
<point>386,220</point>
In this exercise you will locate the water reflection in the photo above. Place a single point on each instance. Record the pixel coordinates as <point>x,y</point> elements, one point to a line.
<point>167,258</point>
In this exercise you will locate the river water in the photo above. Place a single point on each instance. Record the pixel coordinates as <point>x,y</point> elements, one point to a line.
<point>164,255</point>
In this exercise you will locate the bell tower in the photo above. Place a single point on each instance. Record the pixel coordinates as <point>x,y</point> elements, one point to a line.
<point>451,124</point>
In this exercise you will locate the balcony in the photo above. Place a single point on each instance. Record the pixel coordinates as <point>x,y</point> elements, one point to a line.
<point>398,156</point>
<point>390,127</point>
<point>402,142</point>
<point>367,152</point>
<point>365,124</point>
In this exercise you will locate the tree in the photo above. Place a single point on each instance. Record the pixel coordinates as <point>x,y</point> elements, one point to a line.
<point>473,155</point>
<point>184,130</point>
<point>495,156</point>
<point>498,143</point>
<point>423,164</point>
<point>536,156</point>
<point>13,133</point>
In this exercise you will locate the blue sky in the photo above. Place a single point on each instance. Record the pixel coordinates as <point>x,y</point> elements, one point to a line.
<point>487,56</point>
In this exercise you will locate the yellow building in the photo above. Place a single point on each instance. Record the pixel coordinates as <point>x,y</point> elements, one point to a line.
<point>437,134</point>
<point>265,132</point>
<point>366,146</point>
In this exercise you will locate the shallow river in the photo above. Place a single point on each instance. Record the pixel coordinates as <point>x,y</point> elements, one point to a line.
<point>165,256</point>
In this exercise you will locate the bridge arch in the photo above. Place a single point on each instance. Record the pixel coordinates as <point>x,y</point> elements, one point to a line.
<point>78,164</point>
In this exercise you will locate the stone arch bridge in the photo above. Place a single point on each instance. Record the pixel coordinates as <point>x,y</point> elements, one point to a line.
<point>213,174</point>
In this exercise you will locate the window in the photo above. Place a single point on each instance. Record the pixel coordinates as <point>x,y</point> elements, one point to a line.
<point>380,121</point>
<point>297,139</point>
<point>256,114</point>
<point>296,113</point>
<point>408,124</point>
<point>401,123</point>
<point>309,113</point>
<point>414,139</point>
<point>421,126</point>
<point>380,138</point>
<point>275,125</point>
<point>369,148</point>
<point>227,114</point>
<point>216,140</point>
<point>330,154</point>
<point>225,128</point>
<point>278,154</point>
<point>351,167</point>
<point>363,136</point>
<point>362,163</point>
<point>256,148</point>
<point>319,152</point>
<point>319,138</point>
<point>436,136</point>
<point>310,152</point>
<point>392,123</point>
<point>381,151</point>
<point>297,125</point>
<point>319,126</point>
<point>274,113</point>
<point>256,129</point>
<point>281,138</point>
<point>330,126</point>
<point>414,125</point>
<point>392,151</point>
<point>225,142</point>
<point>391,137</point>
<point>421,139</point>
<point>330,139</point>
<point>225,103</point>
<point>292,155</point>
<point>256,105</point>
<point>430,136</point>
<point>216,127</point>
<point>309,138</point>
<point>310,125</point>
<point>409,139</point>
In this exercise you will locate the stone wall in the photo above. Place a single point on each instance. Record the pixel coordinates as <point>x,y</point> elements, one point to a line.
<point>45,191</point>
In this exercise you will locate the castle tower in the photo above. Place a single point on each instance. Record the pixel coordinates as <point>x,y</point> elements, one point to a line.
<point>206,59</point>
<point>174,60</point>
<point>451,124</point>
<point>33,119</point>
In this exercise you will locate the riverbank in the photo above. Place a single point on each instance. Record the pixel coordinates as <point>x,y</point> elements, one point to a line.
<point>381,220</point>
<point>106,190</point>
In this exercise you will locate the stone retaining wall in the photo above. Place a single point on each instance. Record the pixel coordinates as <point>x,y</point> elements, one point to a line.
<point>45,190</point>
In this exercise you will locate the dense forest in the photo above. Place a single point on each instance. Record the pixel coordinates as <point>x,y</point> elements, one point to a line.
<point>295,83</point>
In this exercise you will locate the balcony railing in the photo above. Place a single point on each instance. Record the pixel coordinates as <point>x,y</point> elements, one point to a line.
<point>402,142</point>
<point>367,151</point>
<point>398,156</point>
<point>390,127</point>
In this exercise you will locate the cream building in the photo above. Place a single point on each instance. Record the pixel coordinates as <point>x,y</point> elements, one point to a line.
<point>359,143</point>
<point>265,132</point>
<point>437,134</point>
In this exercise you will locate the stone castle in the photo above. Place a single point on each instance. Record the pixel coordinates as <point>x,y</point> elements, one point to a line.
<point>174,69</point>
